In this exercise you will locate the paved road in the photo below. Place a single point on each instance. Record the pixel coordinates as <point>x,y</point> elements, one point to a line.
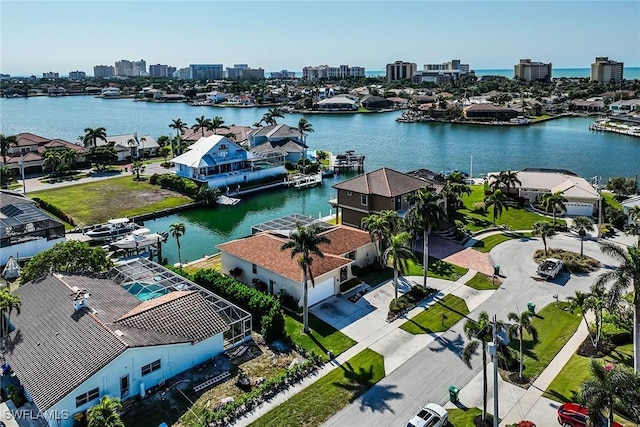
<point>427,376</point>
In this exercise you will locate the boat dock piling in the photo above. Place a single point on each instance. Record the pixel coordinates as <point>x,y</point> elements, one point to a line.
<point>348,161</point>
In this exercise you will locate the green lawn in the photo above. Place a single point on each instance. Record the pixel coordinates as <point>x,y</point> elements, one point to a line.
<point>566,385</point>
<point>116,197</point>
<point>464,418</point>
<point>485,245</point>
<point>322,399</point>
<point>437,268</point>
<point>431,320</point>
<point>514,217</point>
<point>482,282</point>
<point>323,338</point>
<point>555,326</point>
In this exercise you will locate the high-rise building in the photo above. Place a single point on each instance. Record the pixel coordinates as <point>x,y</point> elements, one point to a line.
<point>283,74</point>
<point>206,71</point>
<point>103,71</point>
<point>528,70</point>
<point>400,70</point>
<point>604,70</point>
<point>77,75</point>
<point>160,70</point>
<point>441,73</point>
<point>50,75</point>
<point>327,72</point>
<point>126,68</point>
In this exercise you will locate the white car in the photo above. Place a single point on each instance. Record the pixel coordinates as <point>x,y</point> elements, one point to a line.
<point>430,415</point>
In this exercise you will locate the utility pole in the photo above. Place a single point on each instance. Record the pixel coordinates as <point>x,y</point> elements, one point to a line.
<point>493,352</point>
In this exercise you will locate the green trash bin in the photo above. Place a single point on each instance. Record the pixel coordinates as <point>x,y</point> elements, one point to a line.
<point>532,307</point>
<point>453,394</point>
<point>496,270</point>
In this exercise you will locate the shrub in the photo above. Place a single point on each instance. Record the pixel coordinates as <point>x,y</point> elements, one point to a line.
<point>235,272</point>
<point>288,301</point>
<point>54,210</point>
<point>410,299</point>
<point>615,217</point>
<point>272,326</point>
<point>153,180</point>
<point>289,166</point>
<point>479,207</point>
<point>179,184</point>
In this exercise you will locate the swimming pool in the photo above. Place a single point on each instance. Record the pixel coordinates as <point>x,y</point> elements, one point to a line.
<point>145,291</point>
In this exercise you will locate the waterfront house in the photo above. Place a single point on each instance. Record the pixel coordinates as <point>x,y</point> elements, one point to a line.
<point>274,133</point>
<point>587,106</point>
<point>582,197</point>
<point>372,102</point>
<point>337,103</point>
<point>30,150</point>
<point>260,259</point>
<point>373,192</point>
<point>79,338</point>
<point>220,162</point>
<point>290,149</point>
<point>25,230</point>
<point>237,134</point>
<point>625,106</point>
<point>489,112</point>
<point>630,203</point>
<point>130,146</point>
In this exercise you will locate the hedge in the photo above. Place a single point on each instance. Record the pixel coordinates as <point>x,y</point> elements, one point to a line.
<point>265,309</point>
<point>54,210</point>
<point>182,185</point>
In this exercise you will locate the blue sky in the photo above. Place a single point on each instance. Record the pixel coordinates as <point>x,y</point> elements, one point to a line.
<point>58,36</point>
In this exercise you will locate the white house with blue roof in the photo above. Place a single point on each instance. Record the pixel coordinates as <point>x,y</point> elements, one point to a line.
<point>220,162</point>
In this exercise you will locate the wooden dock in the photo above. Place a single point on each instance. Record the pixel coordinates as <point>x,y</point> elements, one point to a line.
<point>348,161</point>
<point>301,181</point>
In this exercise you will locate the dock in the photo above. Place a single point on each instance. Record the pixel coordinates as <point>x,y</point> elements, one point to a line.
<point>348,161</point>
<point>301,181</point>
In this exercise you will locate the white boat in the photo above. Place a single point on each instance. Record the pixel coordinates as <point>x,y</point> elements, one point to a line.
<point>140,239</point>
<point>113,228</point>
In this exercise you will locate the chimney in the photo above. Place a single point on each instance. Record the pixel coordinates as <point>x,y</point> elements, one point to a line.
<point>80,297</point>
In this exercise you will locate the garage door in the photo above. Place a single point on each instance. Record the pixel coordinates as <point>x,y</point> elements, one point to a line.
<point>320,291</point>
<point>579,209</point>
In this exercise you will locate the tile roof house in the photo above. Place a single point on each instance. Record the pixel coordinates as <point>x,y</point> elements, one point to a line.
<point>78,338</point>
<point>239,134</point>
<point>260,257</point>
<point>274,133</point>
<point>131,146</point>
<point>373,192</point>
<point>30,148</point>
<point>489,112</point>
<point>25,230</point>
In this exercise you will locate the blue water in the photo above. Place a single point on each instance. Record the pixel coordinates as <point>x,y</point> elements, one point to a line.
<point>564,143</point>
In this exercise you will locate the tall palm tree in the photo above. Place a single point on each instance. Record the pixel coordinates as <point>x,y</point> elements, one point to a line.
<point>137,168</point>
<point>8,303</point>
<point>424,215</point>
<point>456,187</point>
<point>582,225</point>
<point>179,127</point>
<point>52,159</point>
<point>6,142</point>
<point>216,123</point>
<point>270,116</point>
<point>305,128</point>
<point>545,231</point>
<point>480,333</point>
<point>91,136</point>
<point>608,387</point>
<point>304,242</point>
<point>398,253</point>
<point>105,413</point>
<point>627,275</point>
<point>504,179</point>
<point>378,230</point>
<point>177,230</point>
<point>521,323</point>
<point>498,200</point>
<point>69,157</point>
<point>202,124</point>
<point>553,202</point>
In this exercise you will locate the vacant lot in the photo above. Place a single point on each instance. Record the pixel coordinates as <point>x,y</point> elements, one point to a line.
<point>99,201</point>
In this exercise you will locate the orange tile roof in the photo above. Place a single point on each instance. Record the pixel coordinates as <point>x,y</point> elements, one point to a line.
<point>344,240</point>
<point>384,182</point>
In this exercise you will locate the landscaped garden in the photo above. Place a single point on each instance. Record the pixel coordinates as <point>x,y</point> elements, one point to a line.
<point>437,268</point>
<point>318,402</point>
<point>573,262</point>
<point>485,245</point>
<point>482,282</point>
<point>438,317</point>
<point>323,337</point>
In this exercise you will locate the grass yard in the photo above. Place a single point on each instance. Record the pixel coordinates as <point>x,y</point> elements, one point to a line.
<point>324,398</point>
<point>565,386</point>
<point>323,338</point>
<point>482,282</point>
<point>431,320</point>
<point>464,417</point>
<point>555,326</point>
<point>117,197</point>
<point>485,245</point>
<point>437,268</point>
<point>514,217</point>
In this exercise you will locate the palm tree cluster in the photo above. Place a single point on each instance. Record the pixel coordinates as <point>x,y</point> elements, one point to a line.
<point>92,136</point>
<point>6,142</point>
<point>269,118</point>
<point>554,203</point>
<point>8,303</point>
<point>504,180</point>
<point>456,188</point>
<point>59,159</point>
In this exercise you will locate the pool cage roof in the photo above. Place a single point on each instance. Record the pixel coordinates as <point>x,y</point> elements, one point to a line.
<point>23,218</point>
<point>288,223</point>
<point>143,270</point>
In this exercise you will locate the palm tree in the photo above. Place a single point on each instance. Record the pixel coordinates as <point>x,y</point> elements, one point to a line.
<point>52,160</point>
<point>516,330</point>
<point>208,195</point>
<point>179,127</point>
<point>498,200</point>
<point>8,303</point>
<point>627,275</point>
<point>6,142</point>
<point>105,413</point>
<point>177,230</point>
<point>545,231</point>
<point>456,187</point>
<point>202,124</point>
<point>582,225</point>
<point>304,242</point>
<point>321,156</point>
<point>137,168</point>
<point>552,202</point>
<point>69,157</point>
<point>609,386</point>
<point>91,137</point>
<point>378,230</point>
<point>480,333</point>
<point>504,179</point>
<point>270,116</point>
<point>216,123</point>
<point>398,253</point>
<point>304,127</point>
<point>425,214</point>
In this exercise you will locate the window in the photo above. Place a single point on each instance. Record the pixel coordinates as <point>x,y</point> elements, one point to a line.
<point>87,397</point>
<point>349,193</point>
<point>363,199</point>
<point>254,269</point>
<point>151,367</point>
<point>352,255</point>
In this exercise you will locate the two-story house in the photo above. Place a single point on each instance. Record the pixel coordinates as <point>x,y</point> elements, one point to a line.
<point>280,138</point>
<point>29,149</point>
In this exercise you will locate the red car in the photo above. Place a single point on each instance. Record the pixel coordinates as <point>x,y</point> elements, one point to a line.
<point>575,415</point>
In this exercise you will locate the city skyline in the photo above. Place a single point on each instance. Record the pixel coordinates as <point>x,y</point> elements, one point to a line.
<point>291,35</point>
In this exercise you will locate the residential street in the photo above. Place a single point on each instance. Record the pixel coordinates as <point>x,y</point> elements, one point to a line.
<point>427,375</point>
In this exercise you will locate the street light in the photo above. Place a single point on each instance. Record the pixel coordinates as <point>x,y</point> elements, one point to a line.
<point>24,185</point>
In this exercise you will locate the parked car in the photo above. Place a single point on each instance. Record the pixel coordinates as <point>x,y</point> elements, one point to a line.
<point>430,415</point>
<point>576,415</point>
<point>550,268</point>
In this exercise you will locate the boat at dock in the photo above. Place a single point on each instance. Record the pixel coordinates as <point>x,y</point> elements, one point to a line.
<point>140,239</point>
<point>112,229</point>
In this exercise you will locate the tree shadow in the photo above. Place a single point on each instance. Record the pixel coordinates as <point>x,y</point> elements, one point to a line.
<point>377,398</point>
<point>455,345</point>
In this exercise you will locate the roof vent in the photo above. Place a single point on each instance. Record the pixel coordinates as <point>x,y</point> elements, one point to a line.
<point>118,333</point>
<point>80,298</point>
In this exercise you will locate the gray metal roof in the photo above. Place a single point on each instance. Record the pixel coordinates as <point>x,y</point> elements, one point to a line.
<point>24,217</point>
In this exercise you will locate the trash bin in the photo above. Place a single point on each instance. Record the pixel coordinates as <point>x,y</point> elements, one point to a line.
<point>453,394</point>
<point>496,270</point>
<point>532,307</point>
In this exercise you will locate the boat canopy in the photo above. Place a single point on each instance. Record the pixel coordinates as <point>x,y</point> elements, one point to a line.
<point>118,221</point>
